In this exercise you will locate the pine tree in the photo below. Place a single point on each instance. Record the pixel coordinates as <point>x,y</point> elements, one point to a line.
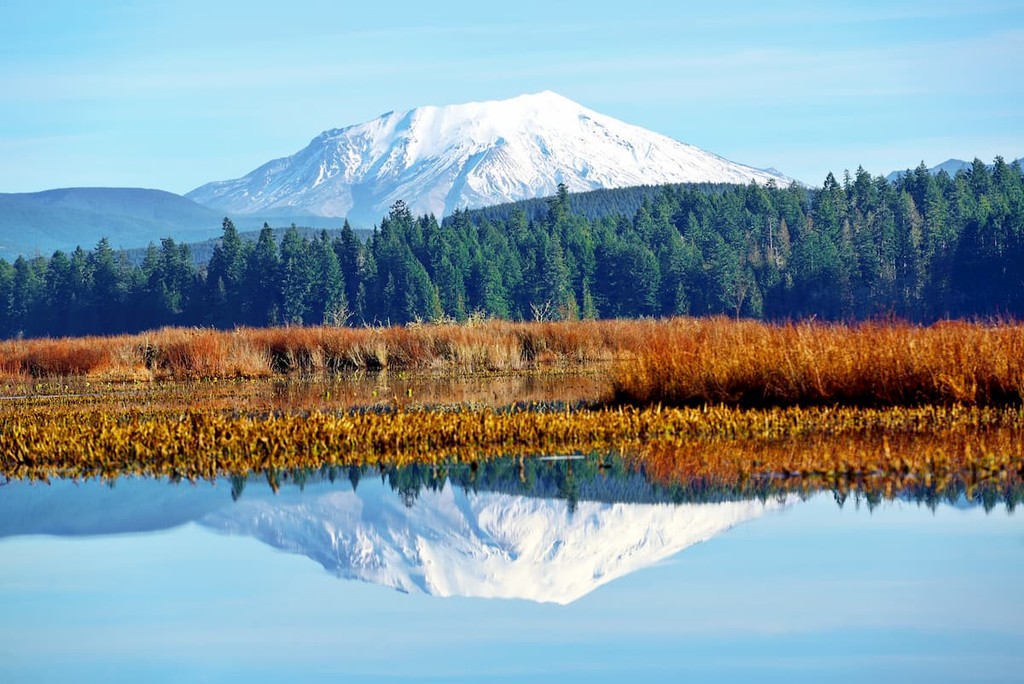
<point>262,280</point>
<point>109,287</point>
<point>226,278</point>
<point>296,278</point>
<point>329,303</point>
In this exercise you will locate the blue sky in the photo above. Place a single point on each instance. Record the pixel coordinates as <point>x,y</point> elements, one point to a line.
<point>172,95</point>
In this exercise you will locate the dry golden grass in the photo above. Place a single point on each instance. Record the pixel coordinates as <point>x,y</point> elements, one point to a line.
<point>679,362</point>
<point>930,444</point>
<point>174,353</point>
<point>208,429</point>
<point>693,362</point>
<point>934,405</point>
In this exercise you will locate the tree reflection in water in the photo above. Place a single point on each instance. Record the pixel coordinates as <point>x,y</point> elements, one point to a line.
<point>614,479</point>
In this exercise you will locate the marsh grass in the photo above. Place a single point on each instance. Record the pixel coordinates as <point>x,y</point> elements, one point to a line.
<point>689,362</point>
<point>677,362</point>
<point>204,429</point>
<point>177,353</point>
<point>930,445</point>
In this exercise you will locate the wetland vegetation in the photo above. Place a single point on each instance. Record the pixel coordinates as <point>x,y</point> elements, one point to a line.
<point>871,408</point>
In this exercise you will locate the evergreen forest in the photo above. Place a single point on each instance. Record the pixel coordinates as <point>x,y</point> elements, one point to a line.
<point>921,248</point>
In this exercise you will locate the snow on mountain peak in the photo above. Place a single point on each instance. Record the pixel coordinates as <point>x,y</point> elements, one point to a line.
<point>439,158</point>
<point>454,543</point>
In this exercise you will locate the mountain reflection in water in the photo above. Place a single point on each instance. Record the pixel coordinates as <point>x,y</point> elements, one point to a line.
<point>454,542</point>
<point>546,530</point>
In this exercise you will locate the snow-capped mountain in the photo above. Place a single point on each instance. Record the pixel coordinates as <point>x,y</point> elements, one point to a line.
<point>454,543</point>
<point>438,159</point>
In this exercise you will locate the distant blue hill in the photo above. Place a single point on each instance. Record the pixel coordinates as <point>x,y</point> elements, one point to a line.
<point>950,166</point>
<point>43,222</point>
<point>65,218</point>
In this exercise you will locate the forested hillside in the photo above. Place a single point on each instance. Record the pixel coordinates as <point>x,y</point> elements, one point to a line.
<point>593,204</point>
<point>922,248</point>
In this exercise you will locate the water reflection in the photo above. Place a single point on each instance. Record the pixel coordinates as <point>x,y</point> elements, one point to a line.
<point>616,479</point>
<point>457,542</point>
<point>808,591</point>
<point>546,530</point>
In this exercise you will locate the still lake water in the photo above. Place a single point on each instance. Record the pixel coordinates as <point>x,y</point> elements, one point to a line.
<point>604,581</point>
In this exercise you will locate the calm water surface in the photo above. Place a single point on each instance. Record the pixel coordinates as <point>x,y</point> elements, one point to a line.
<point>603,582</point>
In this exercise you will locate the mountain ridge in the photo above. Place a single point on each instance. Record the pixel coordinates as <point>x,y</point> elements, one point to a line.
<point>951,166</point>
<point>65,218</point>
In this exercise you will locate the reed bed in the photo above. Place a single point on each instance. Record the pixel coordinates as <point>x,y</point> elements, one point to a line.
<point>929,443</point>
<point>678,362</point>
<point>116,358</point>
<point>178,353</point>
<point>689,362</point>
<point>885,406</point>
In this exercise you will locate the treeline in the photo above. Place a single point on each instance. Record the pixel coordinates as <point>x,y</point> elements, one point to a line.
<point>922,248</point>
<point>605,478</point>
<point>610,479</point>
<point>202,252</point>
